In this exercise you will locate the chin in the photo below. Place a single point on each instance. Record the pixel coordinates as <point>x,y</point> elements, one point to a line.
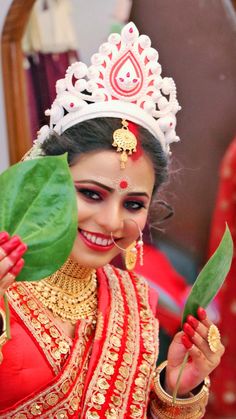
<point>90,259</point>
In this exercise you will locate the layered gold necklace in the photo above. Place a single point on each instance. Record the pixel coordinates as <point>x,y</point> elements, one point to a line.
<point>70,293</point>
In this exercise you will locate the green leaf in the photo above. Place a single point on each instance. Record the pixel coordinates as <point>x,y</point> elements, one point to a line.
<point>211,278</point>
<point>206,286</point>
<point>38,203</point>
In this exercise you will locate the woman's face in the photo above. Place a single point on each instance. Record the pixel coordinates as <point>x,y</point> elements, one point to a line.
<point>108,198</point>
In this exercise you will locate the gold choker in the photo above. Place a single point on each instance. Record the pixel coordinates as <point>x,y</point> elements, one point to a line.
<point>70,293</point>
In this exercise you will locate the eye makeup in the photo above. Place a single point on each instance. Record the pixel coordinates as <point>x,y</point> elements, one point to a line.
<point>110,186</point>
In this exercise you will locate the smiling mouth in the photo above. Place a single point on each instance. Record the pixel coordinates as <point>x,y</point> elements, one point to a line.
<point>97,239</point>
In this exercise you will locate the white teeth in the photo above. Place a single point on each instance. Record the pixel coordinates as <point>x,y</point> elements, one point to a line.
<point>97,240</point>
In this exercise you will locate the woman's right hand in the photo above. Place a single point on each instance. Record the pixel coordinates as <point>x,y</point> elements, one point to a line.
<point>11,262</point>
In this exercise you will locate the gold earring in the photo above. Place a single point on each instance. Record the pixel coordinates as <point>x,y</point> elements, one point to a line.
<point>130,256</point>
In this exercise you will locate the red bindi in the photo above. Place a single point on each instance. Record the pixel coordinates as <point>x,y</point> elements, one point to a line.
<point>123,184</point>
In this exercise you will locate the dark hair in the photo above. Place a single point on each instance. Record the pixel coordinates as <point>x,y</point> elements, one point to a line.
<point>96,134</point>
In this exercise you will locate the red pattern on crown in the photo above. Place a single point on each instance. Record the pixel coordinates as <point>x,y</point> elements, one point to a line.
<point>124,80</point>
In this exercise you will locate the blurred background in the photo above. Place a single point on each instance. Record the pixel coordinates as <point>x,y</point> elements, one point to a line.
<point>196,44</point>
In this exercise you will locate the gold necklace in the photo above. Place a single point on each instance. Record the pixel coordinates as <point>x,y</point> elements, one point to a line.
<point>70,293</point>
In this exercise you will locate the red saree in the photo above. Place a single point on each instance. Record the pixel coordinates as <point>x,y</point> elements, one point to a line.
<point>105,371</point>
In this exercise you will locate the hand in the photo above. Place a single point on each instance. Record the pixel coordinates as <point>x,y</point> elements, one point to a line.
<point>202,361</point>
<point>11,262</point>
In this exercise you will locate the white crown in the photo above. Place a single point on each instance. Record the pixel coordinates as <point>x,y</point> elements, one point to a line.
<point>123,81</point>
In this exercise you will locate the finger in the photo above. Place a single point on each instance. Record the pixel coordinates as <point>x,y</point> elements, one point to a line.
<point>4,236</point>
<point>205,321</point>
<point>202,330</point>
<point>201,363</point>
<point>199,336</point>
<point>6,249</point>
<point>2,254</point>
<point>16,254</point>
<point>198,326</point>
<point>10,277</point>
<point>199,341</point>
<point>11,244</point>
<point>12,259</point>
<point>177,351</point>
<point>5,265</point>
<point>202,315</point>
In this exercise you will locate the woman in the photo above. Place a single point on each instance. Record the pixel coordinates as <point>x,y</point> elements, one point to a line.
<point>84,340</point>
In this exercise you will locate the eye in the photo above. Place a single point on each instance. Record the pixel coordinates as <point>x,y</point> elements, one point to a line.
<point>134,205</point>
<point>89,193</point>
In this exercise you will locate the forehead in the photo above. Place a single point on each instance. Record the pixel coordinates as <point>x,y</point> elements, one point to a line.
<point>106,164</point>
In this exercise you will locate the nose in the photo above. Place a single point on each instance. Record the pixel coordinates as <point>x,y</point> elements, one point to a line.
<point>110,219</point>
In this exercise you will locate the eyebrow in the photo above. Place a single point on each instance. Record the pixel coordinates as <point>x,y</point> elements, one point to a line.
<point>109,189</point>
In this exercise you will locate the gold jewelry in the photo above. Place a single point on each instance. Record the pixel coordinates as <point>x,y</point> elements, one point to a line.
<point>130,256</point>
<point>190,408</point>
<point>213,338</point>
<point>70,293</point>
<point>3,334</point>
<point>134,250</point>
<point>125,141</point>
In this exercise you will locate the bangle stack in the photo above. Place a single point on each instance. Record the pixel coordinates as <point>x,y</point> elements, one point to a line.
<point>163,407</point>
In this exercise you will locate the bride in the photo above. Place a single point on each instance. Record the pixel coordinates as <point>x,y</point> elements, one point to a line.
<point>85,340</point>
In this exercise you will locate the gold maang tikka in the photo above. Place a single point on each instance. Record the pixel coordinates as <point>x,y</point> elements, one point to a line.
<point>125,141</point>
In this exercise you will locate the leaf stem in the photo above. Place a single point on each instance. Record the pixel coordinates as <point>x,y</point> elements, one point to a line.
<point>185,360</point>
<point>7,311</point>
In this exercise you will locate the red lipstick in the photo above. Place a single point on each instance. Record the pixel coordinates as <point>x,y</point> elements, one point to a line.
<point>95,246</point>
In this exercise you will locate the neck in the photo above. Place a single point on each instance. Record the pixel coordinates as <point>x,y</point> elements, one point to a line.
<point>71,278</point>
<point>70,293</point>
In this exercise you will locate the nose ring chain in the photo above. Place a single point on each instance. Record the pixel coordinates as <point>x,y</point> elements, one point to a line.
<point>132,251</point>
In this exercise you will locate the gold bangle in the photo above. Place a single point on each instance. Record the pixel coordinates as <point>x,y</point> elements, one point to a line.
<point>3,336</point>
<point>163,406</point>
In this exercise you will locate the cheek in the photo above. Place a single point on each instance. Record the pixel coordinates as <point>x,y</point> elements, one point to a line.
<point>84,209</point>
<point>143,220</point>
<point>133,222</point>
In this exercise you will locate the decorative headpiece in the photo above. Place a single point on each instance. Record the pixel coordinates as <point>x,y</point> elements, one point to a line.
<point>123,81</point>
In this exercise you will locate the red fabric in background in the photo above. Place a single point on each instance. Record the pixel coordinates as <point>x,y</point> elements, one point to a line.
<point>158,271</point>
<point>223,389</point>
<point>41,76</point>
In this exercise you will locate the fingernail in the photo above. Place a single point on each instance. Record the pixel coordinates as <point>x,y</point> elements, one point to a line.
<point>11,244</point>
<point>192,321</point>
<point>17,267</point>
<point>18,252</point>
<point>4,236</point>
<point>201,313</point>
<point>188,330</point>
<point>186,342</point>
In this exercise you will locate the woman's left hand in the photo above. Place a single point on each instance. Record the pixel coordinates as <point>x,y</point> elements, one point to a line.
<point>202,361</point>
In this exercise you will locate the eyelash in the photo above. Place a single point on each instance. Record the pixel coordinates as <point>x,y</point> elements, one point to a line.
<point>134,205</point>
<point>89,193</point>
<point>130,205</point>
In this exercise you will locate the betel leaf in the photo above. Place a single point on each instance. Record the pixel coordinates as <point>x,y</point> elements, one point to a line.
<point>206,286</point>
<point>211,277</point>
<point>38,203</point>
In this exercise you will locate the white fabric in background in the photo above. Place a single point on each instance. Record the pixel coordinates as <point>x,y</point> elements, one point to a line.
<point>50,28</point>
